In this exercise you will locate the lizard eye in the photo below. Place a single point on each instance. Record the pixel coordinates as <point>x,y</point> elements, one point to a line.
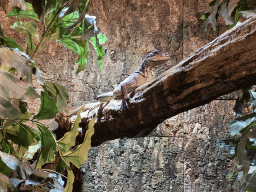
<point>156,51</point>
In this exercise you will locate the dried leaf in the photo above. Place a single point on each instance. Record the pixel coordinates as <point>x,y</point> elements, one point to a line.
<point>12,87</point>
<point>231,5</point>
<point>224,13</point>
<point>18,60</point>
<point>249,13</point>
<point>7,110</point>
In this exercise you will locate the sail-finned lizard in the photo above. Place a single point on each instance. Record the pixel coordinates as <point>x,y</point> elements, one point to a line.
<point>141,76</point>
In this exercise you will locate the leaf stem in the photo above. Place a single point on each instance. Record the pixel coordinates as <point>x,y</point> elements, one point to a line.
<point>46,32</point>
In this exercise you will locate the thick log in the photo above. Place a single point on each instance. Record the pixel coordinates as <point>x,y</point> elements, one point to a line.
<point>224,65</point>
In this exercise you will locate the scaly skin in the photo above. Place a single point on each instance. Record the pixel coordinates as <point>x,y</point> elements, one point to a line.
<point>141,76</point>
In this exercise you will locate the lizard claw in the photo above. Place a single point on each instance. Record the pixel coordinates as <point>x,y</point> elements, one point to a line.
<point>124,105</point>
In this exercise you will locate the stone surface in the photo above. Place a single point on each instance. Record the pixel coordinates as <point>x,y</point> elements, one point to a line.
<point>143,164</point>
<point>133,28</point>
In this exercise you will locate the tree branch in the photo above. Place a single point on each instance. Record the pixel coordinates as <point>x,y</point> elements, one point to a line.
<point>226,64</point>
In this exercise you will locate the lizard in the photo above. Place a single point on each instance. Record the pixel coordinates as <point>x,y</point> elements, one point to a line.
<point>141,76</point>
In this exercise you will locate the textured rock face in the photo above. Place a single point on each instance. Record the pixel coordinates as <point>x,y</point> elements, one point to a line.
<point>186,156</point>
<point>135,165</point>
<point>132,28</point>
<point>181,155</point>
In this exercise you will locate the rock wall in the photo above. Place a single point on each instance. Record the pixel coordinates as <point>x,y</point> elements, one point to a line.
<point>181,154</point>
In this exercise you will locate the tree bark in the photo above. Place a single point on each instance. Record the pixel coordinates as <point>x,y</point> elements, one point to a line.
<point>224,65</point>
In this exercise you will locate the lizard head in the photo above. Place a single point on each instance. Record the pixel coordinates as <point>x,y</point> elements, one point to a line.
<point>156,57</point>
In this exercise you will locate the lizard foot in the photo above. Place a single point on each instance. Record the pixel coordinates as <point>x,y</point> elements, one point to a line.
<point>125,104</point>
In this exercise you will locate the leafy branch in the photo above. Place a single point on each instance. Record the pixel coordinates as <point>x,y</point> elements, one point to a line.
<point>243,128</point>
<point>230,10</point>
<point>64,21</point>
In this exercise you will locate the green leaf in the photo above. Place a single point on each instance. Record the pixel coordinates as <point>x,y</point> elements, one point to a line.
<point>204,16</point>
<point>1,32</point>
<point>80,154</point>
<point>1,135</point>
<point>18,60</point>
<point>27,27</point>
<point>21,151</point>
<point>82,16</point>
<point>69,18</point>
<point>80,47</point>
<point>48,109</point>
<point>23,136</point>
<point>26,117</point>
<point>16,11</point>
<point>71,177</point>
<point>58,93</point>
<point>70,180</point>
<point>27,136</point>
<point>9,42</point>
<point>211,19</point>
<point>48,148</point>
<point>102,38</point>
<point>250,182</point>
<point>7,110</point>
<point>52,4</point>
<point>61,166</point>
<point>4,168</point>
<point>23,106</point>
<point>69,43</point>
<point>62,96</point>
<point>98,48</point>
<point>84,5</point>
<point>54,34</point>
<point>49,88</point>
<point>69,139</point>
<point>5,146</point>
<point>30,44</point>
<point>11,161</point>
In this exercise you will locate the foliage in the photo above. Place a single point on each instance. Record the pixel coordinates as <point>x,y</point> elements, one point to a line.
<point>64,21</point>
<point>243,128</point>
<point>230,10</point>
<point>243,146</point>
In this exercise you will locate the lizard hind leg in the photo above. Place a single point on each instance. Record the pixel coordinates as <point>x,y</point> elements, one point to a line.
<point>125,99</point>
<point>125,104</point>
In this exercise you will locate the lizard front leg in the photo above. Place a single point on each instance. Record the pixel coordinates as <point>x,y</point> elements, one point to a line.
<point>124,97</point>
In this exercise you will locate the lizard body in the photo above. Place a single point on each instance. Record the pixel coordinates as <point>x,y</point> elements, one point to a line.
<point>141,76</point>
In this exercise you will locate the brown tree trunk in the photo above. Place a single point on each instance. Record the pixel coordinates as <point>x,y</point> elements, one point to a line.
<point>226,64</point>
